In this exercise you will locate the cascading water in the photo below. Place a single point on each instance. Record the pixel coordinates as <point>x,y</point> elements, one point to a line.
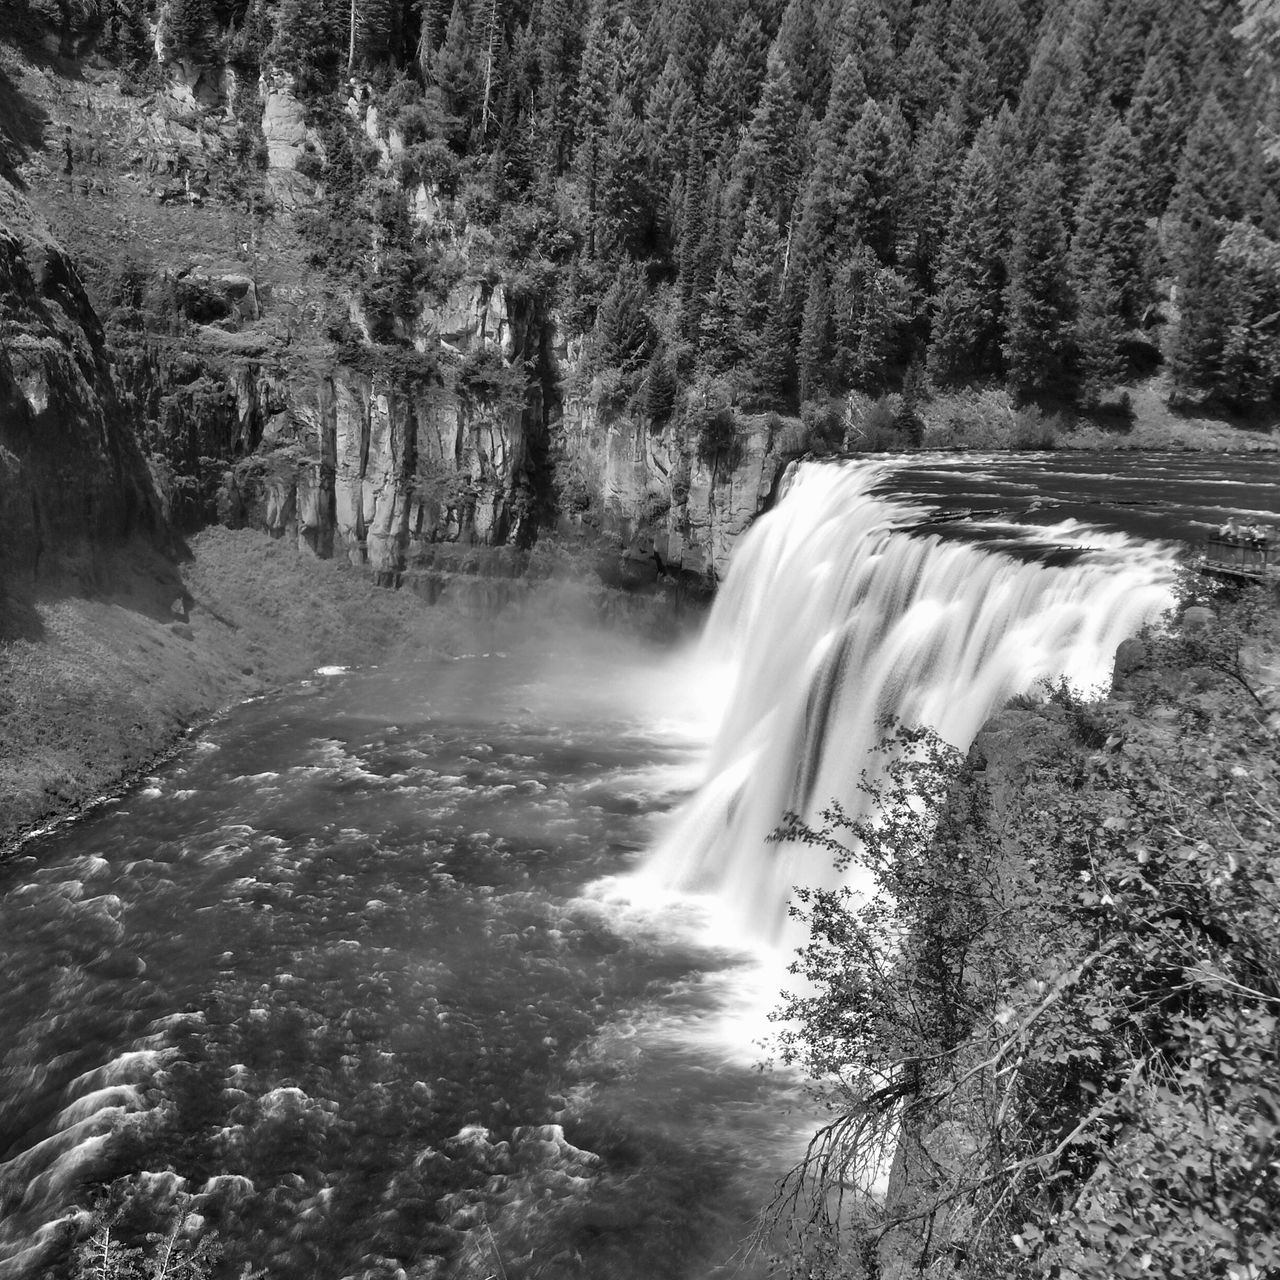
<point>835,616</point>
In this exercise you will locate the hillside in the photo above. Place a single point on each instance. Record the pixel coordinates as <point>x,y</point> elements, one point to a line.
<point>446,279</point>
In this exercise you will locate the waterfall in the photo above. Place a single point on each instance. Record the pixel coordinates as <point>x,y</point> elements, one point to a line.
<point>838,611</point>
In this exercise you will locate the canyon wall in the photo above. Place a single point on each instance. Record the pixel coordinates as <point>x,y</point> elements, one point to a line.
<point>225,378</point>
<point>72,478</point>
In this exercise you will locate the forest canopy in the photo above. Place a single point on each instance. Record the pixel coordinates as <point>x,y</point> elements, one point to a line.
<point>821,195</point>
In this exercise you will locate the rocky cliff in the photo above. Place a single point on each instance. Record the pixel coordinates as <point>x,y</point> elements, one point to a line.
<point>258,385</point>
<point>72,478</point>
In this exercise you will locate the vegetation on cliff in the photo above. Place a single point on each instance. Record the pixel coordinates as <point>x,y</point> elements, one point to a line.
<point>1057,1009</point>
<point>807,196</point>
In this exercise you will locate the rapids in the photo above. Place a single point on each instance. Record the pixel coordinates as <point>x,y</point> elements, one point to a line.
<point>381,978</point>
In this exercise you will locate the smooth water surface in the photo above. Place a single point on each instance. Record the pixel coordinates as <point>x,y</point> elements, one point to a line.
<point>1171,496</point>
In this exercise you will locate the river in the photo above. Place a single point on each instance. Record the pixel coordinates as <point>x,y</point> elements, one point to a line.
<point>379,977</point>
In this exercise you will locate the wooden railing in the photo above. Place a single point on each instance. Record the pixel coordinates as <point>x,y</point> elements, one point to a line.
<point>1241,554</point>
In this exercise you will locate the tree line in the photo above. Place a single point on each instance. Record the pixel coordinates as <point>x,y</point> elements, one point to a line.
<point>817,195</point>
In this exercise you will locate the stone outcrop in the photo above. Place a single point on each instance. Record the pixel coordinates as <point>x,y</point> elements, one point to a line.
<point>646,484</point>
<point>252,408</point>
<point>72,479</point>
<point>349,459</point>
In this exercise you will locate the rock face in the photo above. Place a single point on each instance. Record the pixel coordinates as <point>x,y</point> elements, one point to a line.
<point>652,490</point>
<point>72,479</point>
<point>258,396</point>
<point>348,459</point>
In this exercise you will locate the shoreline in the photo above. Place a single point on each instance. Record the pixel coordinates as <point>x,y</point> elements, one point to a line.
<point>98,691</point>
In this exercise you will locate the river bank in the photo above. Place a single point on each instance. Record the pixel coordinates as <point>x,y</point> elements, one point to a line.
<point>95,689</point>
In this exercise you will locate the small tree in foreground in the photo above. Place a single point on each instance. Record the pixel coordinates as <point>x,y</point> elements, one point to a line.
<point>1054,1017</point>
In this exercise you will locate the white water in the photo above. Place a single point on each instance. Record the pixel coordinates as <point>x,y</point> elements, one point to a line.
<point>834,617</point>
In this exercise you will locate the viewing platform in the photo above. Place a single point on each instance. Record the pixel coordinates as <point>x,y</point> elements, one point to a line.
<point>1244,556</point>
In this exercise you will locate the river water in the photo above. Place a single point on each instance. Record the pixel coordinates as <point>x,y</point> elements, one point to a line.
<point>380,977</point>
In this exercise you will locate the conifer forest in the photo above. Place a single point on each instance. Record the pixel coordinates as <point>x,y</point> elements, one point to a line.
<point>811,196</point>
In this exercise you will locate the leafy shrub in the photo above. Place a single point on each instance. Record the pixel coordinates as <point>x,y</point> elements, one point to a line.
<point>824,422</point>
<point>874,427</point>
<point>716,441</point>
<point>1058,997</point>
<point>611,391</point>
<point>486,378</point>
<point>1032,430</point>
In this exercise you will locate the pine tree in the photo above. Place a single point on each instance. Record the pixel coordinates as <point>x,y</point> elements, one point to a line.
<point>749,52</point>
<point>721,100</point>
<point>1199,340</point>
<point>921,80</point>
<point>1005,34</point>
<point>1157,120</point>
<point>845,105</point>
<point>1250,265</point>
<point>127,37</point>
<point>1110,226</point>
<point>769,151</point>
<point>717,325</point>
<point>1125,34</point>
<point>687,29</point>
<point>754,282</point>
<point>814,353</point>
<point>623,333</point>
<point>801,48</point>
<point>872,307</point>
<point>1259,32</point>
<point>591,112</point>
<point>1209,182</point>
<point>631,76</point>
<point>862,33</point>
<point>661,386</point>
<point>868,182</point>
<point>969,304</point>
<point>307,38</point>
<point>454,70</point>
<point>976,95</point>
<point>625,196</point>
<point>556,59</point>
<point>188,27</point>
<point>777,368</point>
<point>935,163</point>
<point>1038,301</point>
<point>434,18</point>
<point>888,309</point>
<point>816,235</point>
<point>668,122</point>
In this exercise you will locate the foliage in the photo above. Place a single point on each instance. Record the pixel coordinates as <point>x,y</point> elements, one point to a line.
<point>834,196</point>
<point>486,378</point>
<point>166,1254</point>
<point>1058,997</point>
<point>714,432</point>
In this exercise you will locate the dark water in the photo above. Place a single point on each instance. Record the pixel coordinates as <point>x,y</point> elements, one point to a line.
<point>1176,497</point>
<point>341,985</point>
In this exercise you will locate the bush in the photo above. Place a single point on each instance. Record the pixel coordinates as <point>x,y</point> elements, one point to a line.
<point>1056,995</point>
<point>823,423</point>
<point>874,428</point>
<point>716,442</point>
<point>1032,430</point>
<point>611,391</point>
